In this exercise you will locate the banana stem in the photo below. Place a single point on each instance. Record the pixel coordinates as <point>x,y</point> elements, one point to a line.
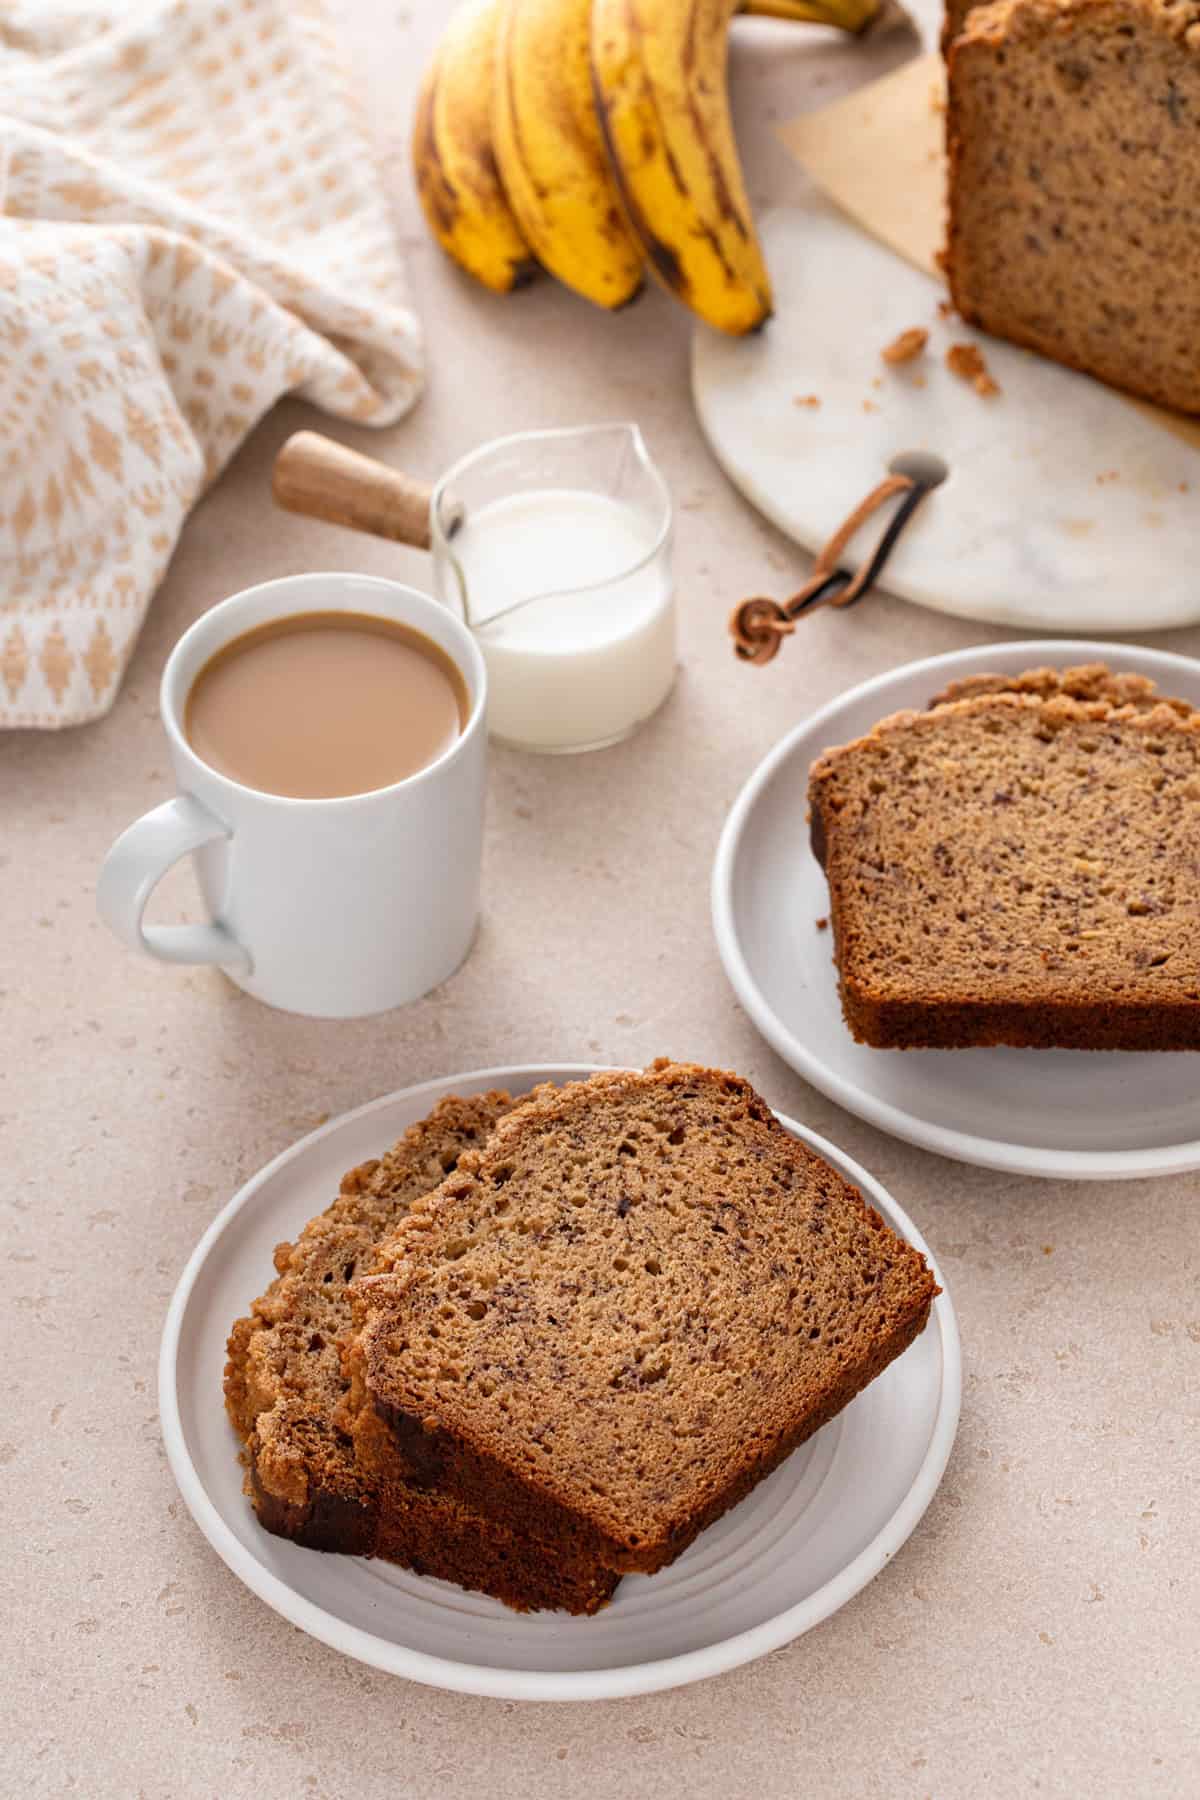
<point>847,15</point>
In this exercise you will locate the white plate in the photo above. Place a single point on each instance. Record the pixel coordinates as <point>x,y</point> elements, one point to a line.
<point>1084,1115</point>
<point>799,1547</point>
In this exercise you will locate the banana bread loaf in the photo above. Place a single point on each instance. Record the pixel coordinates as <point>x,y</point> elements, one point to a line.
<point>1012,870</point>
<point>1073,137</point>
<point>285,1391</point>
<point>606,1326</point>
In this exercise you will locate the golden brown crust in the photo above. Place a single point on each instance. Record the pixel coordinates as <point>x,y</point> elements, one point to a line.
<point>1083,681</point>
<point>1023,21</point>
<point>953,20</point>
<point>1013,869</point>
<point>434,1534</point>
<point>628,1308</point>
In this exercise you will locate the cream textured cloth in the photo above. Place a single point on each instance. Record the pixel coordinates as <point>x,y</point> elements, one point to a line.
<point>192,225</point>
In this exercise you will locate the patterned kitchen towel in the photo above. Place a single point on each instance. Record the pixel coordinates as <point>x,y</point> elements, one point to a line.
<point>192,225</point>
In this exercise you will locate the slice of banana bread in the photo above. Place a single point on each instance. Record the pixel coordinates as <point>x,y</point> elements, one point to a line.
<point>1012,870</point>
<point>1073,136</point>
<point>285,1393</point>
<point>628,1308</point>
<point>1086,681</point>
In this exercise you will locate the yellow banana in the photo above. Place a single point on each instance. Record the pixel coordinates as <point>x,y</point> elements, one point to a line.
<point>658,68</point>
<point>550,151</point>
<point>848,15</point>
<point>459,188</point>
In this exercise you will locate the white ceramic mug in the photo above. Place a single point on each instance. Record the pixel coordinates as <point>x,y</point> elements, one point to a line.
<point>334,908</point>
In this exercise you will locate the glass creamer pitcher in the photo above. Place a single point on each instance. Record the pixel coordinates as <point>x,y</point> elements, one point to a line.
<point>555,549</point>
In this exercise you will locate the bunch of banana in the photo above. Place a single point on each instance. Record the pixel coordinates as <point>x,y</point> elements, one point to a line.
<point>594,137</point>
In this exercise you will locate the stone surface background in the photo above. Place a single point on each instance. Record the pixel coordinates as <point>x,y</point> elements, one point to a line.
<point>1039,1633</point>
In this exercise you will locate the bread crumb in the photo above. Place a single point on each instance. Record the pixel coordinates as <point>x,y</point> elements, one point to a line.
<point>945,309</point>
<point>805,400</point>
<point>822,924</point>
<point>1184,486</point>
<point>1047,1249</point>
<point>907,347</point>
<point>966,361</point>
<point>870,406</point>
<point>918,381</point>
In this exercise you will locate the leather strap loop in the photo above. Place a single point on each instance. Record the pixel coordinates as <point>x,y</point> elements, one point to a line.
<point>759,626</point>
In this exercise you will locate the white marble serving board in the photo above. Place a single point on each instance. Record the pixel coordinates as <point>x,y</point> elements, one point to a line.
<point>1067,507</point>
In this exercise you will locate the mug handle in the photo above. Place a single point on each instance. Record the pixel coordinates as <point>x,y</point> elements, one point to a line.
<point>137,863</point>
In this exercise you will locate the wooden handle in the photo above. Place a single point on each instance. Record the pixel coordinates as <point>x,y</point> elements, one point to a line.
<point>326,480</point>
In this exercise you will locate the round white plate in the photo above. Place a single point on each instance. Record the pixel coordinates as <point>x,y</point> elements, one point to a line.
<point>799,1547</point>
<point>1067,508</point>
<point>1084,1115</point>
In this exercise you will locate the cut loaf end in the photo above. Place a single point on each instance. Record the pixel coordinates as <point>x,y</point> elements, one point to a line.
<point>1073,133</point>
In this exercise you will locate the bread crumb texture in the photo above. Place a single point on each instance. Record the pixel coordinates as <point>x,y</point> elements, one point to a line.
<point>627,1308</point>
<point>1019,864</point>
<point>968,363</point>
<point>1073,136</point>
<point>907,347</point>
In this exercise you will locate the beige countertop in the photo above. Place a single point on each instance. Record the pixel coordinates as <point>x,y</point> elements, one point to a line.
<point>1038,1634</point>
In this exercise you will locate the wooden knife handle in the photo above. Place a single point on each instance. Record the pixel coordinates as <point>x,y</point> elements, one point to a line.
<point>326,480</point>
